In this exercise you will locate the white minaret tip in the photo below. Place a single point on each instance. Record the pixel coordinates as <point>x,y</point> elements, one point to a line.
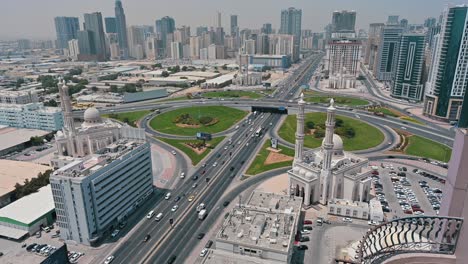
<point>332,104</point>
<point>301,98</point>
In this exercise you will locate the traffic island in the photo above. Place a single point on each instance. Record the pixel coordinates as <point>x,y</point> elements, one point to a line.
<point>130,118</point>
<point>269,158</point>
<point>194,149</point>
<point>421,147</point>
<point>323,98</point>
<point>356,135</point>
<point>191,120</point>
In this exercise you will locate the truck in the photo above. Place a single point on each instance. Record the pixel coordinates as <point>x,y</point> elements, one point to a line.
<point>202,214</point>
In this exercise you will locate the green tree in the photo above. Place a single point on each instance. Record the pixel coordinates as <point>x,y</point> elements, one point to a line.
<point>75,71</point>
<point>319,133</point>
<point>339,122</point>
<point>184,68</point>
<point>203,69</point>
<point>157,65</point>
<point>114,89</point>
<point>224,67</point>
<point>36,141</point>
<point>310,124</point>
<point>165,74</point>
<point>51,103</point>
<point>94,89</point>
<point>19,82</point>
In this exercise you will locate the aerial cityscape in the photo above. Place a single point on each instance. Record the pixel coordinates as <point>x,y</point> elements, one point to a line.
<point>257,134</point>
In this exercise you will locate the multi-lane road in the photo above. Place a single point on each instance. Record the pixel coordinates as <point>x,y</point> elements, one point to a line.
<point>230,156</point>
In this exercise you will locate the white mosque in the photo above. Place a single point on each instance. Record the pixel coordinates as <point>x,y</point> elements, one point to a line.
<point>93,134</point>
<point>322,175</point>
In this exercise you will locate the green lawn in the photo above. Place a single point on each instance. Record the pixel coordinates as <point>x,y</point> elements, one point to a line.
<point>386,111</point>
<point>128,117</point>
<point>258,166</point>
<point>232,94</point>
<point>423,147</point>
<point>195,157</point>
<point>366,136</point>
<point>339,100</point>
<point>226,118</point>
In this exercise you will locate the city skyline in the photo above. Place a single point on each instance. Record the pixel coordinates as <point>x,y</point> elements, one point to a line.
<point>315,16</point>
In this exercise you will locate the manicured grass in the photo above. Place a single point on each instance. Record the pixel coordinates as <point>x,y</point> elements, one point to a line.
<point>410,119</point>
<point>387,111</point>
<point>232,94</point>
<point>339,100</point>
<point>226,116</point>
<point>258,166</point>
<point>366,136</point>
<point>426,148</point>
<point>128,117</point>
<point>195,157</point>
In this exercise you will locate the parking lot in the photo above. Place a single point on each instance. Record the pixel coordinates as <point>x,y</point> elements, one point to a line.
<point>406,191</point>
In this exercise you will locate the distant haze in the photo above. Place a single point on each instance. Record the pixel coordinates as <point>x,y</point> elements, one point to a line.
<point>34,18</point>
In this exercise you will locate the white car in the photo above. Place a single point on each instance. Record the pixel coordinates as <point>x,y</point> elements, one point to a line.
<point>215,164</point>
<point>109,259</point>
<point>174,208</point>
<point>305,232</point>
<point>115,233</point>
<point>182,175</point>
<point>372,223</point>
<point>203,252</point>
<point>347,220</point>
<point>168,196</point>
<point>173,152</point>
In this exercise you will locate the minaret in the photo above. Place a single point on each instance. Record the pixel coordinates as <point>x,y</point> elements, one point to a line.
<point>300,130</point>
<point>69,123</point>
<point>327,149</point>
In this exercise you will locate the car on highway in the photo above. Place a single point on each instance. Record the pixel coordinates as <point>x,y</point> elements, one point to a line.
<point>173,152</point>
<point>204,165</point>
<point>191,197</point>
<point>177,199</point>
<point>215,164</point>
<point>200,235</point>
<point>209,244</point>
<point>171,259</point>
<point>150,214</point>
<point>195,177</point>
<point>194,185</point>
<point>168,196</point>
<point>109,259</point>
<point>203,252</point>
<point>115,233</point>
<point>147,237</point>
<point>347,220</point>
<point>174,208</point>
<point>226,203</point>
<point>182,175</point>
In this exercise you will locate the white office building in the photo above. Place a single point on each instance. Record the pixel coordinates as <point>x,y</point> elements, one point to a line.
<point>73,49</point>
<point>33,115</point>
<point>342,62</point>
<point>18,97</point>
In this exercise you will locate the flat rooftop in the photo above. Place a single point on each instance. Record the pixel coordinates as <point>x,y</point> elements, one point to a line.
<point>80,167</point>
<point>29,208</point>
<point>197,74</point>
<point>10,136</point>
<point>13,172</point>
<point>344,202</point>
<point>267,221</point>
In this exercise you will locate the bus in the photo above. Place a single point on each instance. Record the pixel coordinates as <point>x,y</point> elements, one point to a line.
<point>258,132</point>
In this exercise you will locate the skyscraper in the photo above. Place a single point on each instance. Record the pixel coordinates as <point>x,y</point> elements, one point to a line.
<point>121,28</point>
<point>388,52</point>
<point>291,24</point>
<point>407,83</point>
<point>448,79</point>
<point>111,24</point>
<point>164,26</point>
<point>234,26</point>
<point>136,41</point>
<point>343,21</point>
<point>266,28</point>
<point>93,24</point>
<point>373,44</point>
<point>67,29</point>
<point>393,20</point>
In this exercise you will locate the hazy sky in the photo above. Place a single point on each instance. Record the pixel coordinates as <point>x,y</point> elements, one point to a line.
<point>34,18</point>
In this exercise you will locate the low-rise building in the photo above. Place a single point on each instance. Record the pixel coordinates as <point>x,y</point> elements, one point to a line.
<point>346,208</point>
<point>15,139</point>
<point>375,211</point>
<point>18,97</point>
<point>33,115</point>
<point>264,227</point>
<point>26,215</point>
<point>219,82</point>
<point>273,61</point>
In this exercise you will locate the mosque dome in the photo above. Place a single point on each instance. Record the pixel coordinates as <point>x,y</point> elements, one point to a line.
<point>337,144</point>
<point>92,116</point>
<point>302,172</point>
<point>296,170</point>
<point>309,175</point>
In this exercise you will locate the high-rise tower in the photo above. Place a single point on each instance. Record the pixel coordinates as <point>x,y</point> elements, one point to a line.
<point>67,29</point>
<point>121,27</point>
<point>94,25</point>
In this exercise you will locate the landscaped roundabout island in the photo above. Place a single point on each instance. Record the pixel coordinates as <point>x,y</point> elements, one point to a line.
<point>356,135</point>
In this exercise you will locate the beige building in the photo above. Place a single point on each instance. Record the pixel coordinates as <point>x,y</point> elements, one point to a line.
<point>328,173</point>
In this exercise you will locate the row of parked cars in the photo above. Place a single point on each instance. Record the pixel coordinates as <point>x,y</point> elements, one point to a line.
<point>434,195</point>
<point>301,234</point>
<point>406,197</point>
<point>41,249</point>
<point>379,193</point>
<point>429,176</point>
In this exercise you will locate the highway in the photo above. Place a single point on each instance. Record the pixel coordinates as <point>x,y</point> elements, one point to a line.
<point>230,156</point>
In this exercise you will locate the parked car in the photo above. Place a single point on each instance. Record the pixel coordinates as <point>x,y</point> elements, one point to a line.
<point>115,232</point>
<point>226,203</point>
<point>203,252</point>
<point>307,222</point>
<point>347,220</point>
<point>201,235</point>
<point>304,239</point>
<point>303,247</point>
<point>209,244</point>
